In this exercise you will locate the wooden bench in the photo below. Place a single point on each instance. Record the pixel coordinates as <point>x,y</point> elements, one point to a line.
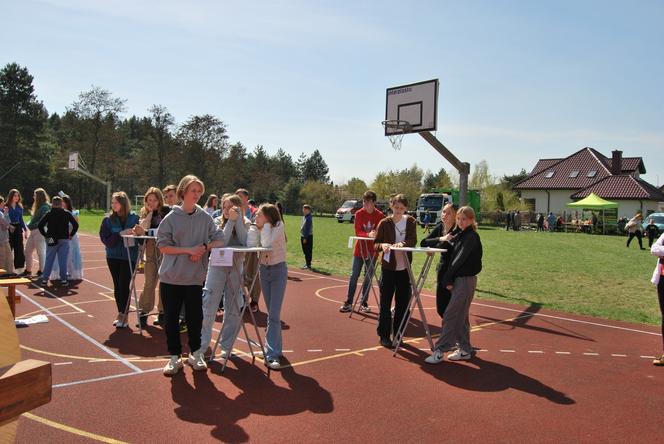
<point>12,298</point>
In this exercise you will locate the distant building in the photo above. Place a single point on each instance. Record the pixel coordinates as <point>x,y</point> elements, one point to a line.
<point>553,183</point>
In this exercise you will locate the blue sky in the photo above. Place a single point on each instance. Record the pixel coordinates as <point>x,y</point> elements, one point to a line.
<point>519,81</point>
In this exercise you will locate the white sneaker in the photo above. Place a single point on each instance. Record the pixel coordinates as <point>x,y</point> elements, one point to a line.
<point>173,365</point>
<point>459,355</point>
<point>224,353</point>
<point>197,360</point>
<point>435,358</point>
<point>274,363</point>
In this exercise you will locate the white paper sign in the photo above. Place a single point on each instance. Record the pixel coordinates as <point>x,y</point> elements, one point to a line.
<point>221,257</point>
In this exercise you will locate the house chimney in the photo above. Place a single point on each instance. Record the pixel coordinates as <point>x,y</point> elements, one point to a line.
<point>616,162</point>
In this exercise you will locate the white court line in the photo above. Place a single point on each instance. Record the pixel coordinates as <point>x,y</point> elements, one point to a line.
<point>563,353</point>
<point>647,357</point>
<point>571,320</point>
<point>508,351</point>
<point>94,268</point>
<point>315,350</point>
<point>342,349</point>
<point>105,378</point>
<point>58,298</point>
<point>617,355</point>
<point>63,363</point>
<point>591,354</point>
<point>536,351</point>
<point>81,334</point>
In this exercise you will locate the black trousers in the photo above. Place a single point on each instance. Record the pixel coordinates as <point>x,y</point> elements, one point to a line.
<point>121,275</point>
<point>173,297</point>
<point>660,296</point>
<point>16,244</point>
<point>393,284</point>
<point>443,296</point>
<point>307,248</point>
<point>638,236</point>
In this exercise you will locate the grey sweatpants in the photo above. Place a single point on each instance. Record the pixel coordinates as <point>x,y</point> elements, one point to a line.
<point>456,327</point>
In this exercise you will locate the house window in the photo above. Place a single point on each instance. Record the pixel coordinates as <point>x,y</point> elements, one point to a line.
<point>573,174</point>
<point>591,173</point>
<point>549,174</point>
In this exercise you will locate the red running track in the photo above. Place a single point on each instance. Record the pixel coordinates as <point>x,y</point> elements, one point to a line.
<point>539,376</point>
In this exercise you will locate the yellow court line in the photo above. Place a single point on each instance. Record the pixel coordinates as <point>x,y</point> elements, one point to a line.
<point>73,430</point>
<point>60,306</point>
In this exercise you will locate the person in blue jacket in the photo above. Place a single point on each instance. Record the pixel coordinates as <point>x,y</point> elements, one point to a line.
<point>120,221</point>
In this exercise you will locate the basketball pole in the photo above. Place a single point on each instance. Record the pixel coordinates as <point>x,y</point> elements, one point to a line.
<point>462,167</point>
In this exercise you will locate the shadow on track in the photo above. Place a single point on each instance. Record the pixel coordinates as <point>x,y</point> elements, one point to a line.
<point>204,403</point>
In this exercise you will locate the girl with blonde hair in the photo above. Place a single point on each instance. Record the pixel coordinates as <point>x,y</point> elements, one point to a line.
<point>461,280</point>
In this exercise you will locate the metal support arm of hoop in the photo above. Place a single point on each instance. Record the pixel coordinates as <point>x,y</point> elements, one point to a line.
<point>395,130</point>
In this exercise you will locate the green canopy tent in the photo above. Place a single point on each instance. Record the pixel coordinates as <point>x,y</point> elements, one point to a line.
<point>594,202</point>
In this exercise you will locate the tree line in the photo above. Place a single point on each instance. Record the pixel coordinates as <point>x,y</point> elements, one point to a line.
<point>136,152</point>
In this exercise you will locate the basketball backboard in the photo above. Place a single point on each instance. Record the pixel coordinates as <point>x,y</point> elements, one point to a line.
<point>416,103</point>
<point>73,161</point>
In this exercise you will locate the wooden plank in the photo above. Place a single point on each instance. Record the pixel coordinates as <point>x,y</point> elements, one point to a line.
<point>24,386</point>
<point>9,354</point>
<point>14,281</point>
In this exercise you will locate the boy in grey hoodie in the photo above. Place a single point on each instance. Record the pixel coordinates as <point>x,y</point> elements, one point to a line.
<point>184,238</point>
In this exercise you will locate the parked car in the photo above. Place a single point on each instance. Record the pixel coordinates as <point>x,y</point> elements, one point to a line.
<point>657,218</point>
<point>347,210</point>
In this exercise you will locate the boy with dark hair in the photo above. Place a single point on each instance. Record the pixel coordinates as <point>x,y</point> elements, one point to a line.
<point>652,231</point>
<point>54,226</point>
<point>366,221</point>
<point>307,236</point>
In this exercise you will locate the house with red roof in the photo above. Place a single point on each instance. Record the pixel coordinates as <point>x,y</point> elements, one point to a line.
<point>553,183</point>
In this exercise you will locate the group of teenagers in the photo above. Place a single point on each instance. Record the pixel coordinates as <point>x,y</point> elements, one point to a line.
<point>51,234</point>
<point>460,263</point>
<point>177,258</point>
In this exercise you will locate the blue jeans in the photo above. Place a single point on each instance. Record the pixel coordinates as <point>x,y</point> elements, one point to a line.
<point>223,282</point>
<point>358,263</point>
<point>61,250</point>
<point>273,282</point>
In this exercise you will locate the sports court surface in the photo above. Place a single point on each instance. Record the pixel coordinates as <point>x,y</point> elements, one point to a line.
<point>538,376</point>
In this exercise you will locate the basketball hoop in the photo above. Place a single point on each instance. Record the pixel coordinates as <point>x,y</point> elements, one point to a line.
<point>395,130</point>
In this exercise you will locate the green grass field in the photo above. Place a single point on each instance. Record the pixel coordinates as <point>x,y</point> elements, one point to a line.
<point>577,273</point>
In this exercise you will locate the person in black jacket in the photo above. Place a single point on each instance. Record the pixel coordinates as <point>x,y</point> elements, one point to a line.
<point>54,226</point>
<point>460,279</point>
<point>444,231</point>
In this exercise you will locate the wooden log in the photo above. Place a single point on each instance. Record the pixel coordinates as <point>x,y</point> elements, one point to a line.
<point>24,386</point>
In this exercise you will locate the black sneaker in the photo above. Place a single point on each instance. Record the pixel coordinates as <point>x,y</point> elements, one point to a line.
<point>39,273</point>
<point>142,321</point>
<point>64,282</point>
<point>253,306</point>
<point>159,320</point>
<point>364,308</point>
<point>346,308</point>
<point>386,342</point>
<point>25,273</point>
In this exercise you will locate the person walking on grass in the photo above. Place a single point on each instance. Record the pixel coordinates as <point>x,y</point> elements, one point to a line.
<point>268,232</point>
<point>461,280</point>
<point>367,219</point>
<point>444,232</point>
<point>652,231</point>
<point>121,220</point>
<point>18,231</point>
<point>657,249</point>
<point>184,238</point>
<point>397,230</point>
<point>634,229</point>
<point>307,236</point>
<point>36,242</point>
<point>54,227</point>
